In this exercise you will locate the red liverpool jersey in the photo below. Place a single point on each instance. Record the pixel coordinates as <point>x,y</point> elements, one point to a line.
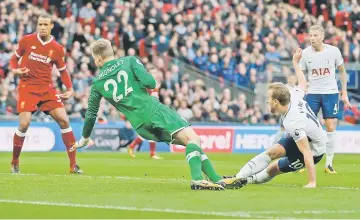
<point>39,57</point>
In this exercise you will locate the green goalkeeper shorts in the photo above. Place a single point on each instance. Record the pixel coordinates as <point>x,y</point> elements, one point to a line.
<point>162,125</point>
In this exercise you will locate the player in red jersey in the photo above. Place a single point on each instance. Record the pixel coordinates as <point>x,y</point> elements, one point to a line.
<point>38,53</point>
<point>139,140</point>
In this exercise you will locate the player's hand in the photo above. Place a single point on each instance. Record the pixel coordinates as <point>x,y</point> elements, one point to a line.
<point>81,143</point>
<point>21,71</point>
<point>297,56</point>
<point>310,185</point>
<point>66,95</point>
<point>345,100</point>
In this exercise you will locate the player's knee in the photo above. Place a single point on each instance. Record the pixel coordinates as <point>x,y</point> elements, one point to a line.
<point>195,139</point>
<point>24,125</point>
<point>273,170</point>
<point>192,136</point>
<point>276,151</point>
<point>271,154</point>
<point>64,123</point>
<point>330,125</point>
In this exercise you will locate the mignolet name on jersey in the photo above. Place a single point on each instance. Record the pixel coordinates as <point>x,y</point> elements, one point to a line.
<point>321,69</point>
<point>300,122</point>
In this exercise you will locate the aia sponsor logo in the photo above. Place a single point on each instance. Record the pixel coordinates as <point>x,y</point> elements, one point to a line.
<point>321,72</point>
<point>212,140</point>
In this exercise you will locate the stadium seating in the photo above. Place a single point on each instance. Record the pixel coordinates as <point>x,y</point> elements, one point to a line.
<point>240,45</point>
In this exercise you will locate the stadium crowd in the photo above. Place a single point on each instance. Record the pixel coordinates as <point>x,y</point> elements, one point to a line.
<point>344,14</point>
<point>234,41</point>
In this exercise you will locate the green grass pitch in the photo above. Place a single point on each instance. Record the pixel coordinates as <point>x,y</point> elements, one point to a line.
<point>116,186</point>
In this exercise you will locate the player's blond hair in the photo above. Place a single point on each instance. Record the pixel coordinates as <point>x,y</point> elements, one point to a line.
<point>280,92</point>
<point>46,15</point>
<point>317,28</point>
<point>102,47</point>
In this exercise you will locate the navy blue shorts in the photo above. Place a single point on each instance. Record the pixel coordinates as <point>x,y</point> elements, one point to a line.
<point>294,158</point>
<point>328,102</point>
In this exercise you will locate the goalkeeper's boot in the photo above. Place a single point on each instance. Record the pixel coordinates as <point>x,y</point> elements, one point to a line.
<point>232,183</point>
<point>131,152</point>
<point>329,169</point>
<point>205,185</point>
<point>76,169</point>
<point>156,157</point>
<point>15,168</point>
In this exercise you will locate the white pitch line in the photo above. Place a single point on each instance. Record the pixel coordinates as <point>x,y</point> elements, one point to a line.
<point>97,177</point>
<point>299,212</point>
<point>131,208</point>
<point>341,187</point>
<point>159,179</point>
<point>322,187</point>
<point>250,214</point>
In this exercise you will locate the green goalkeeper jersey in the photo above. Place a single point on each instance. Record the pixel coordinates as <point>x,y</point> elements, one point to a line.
<point>123,83</point>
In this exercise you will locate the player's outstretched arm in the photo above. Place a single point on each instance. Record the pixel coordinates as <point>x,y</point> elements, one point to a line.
<point>302,82</point>
<point>92,111</point>
<point>90,118</point>
<point>304,146</point>
<point>141,73</point>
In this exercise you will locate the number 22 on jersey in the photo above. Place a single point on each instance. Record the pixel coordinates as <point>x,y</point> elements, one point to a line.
<point>115,84</point>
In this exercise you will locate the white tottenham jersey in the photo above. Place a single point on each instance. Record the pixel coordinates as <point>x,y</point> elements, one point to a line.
<point>321,68</point>
<point>289,87</point>
<point>299,122</point>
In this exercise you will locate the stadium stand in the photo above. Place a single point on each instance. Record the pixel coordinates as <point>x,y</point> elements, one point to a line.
<point>215,66</point>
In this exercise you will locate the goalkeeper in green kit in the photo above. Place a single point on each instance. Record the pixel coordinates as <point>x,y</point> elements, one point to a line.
<point>123,82</point>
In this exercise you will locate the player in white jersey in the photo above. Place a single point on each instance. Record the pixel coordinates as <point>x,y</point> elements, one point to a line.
<point>320,61</point>
<point>306,141</point>
<point>291,83</point>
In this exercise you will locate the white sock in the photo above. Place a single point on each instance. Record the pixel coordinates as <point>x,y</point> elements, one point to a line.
<point>19,133</point>
<point>255,165</point>
<point>330,147</point>
<point>261,177</point>
<point>66,130</point>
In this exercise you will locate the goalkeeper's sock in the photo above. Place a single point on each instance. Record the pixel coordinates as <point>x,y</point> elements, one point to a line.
<point>136,142</point>
<point>255,165</point>
<point>69,140</point>
<point>193,156</point>
<point>208,169</point>
<point>18,142</point>
<point>152,148</point>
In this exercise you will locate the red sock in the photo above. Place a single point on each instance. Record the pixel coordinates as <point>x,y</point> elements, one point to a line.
<point>152,148</point>
<point>69,141</point>
<point>18,142</point>
<point>136,142</point>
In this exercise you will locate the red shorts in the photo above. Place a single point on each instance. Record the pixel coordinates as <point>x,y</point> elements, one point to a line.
<point>31,98</point>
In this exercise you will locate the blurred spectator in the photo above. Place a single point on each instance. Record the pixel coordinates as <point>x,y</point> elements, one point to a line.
<point>184,111</point>
<point>213,66</point>
<point>197,114</point>
<point>87,12</point>
<point>239,42</point>
<point>241,77</point>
